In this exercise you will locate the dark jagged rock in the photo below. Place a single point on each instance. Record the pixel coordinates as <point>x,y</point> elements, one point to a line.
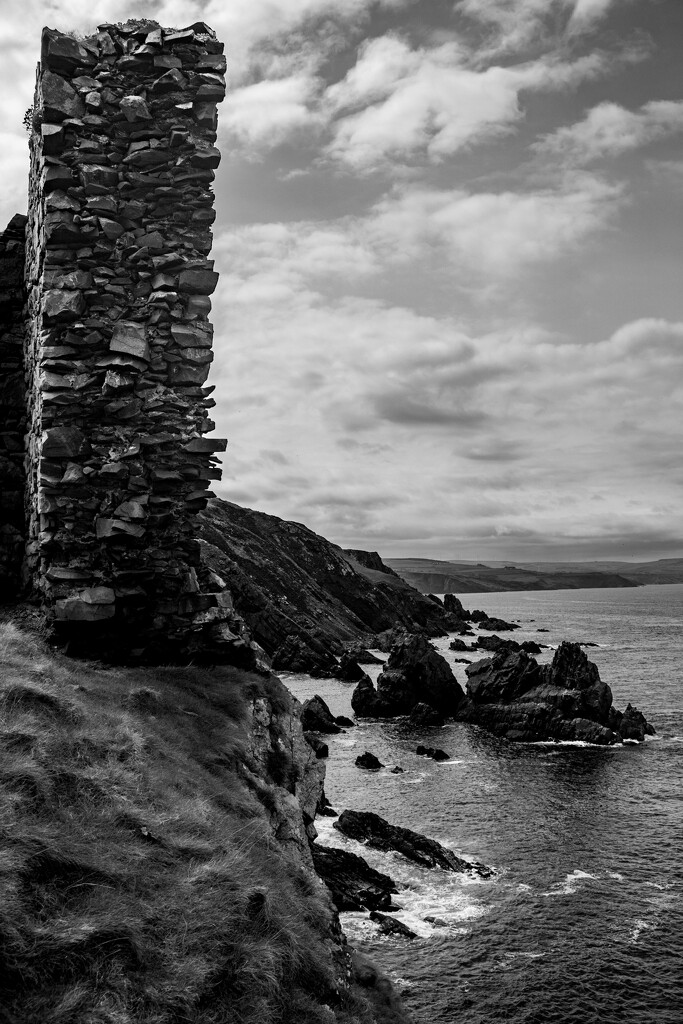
<point>319,746</point>
<point>324,808</point>
<point>436,753</point>
<point>344,722</point>
<point>426,715</point>
<point>503,678</point>
<point>514,697</point>
<point>435,598</point>
<point>317,717</point>
<point>452,604</point>
<point>631,724</point>
<point>460,645</point>
<point>397,770</point>
<point>366,703</point>
<point>377,833</point>
<point>497,643</point>
<point>389,637</point>
<point>416,673</point>
<point>392,926</point>
<point>354,885</point>
<point>368,761</point>
<point>297,655</point>
<point>497,625</point>
<point>349,671</point>
<point>360,654</point>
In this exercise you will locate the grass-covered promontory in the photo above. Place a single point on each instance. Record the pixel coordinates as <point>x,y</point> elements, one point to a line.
<point>140,879</point>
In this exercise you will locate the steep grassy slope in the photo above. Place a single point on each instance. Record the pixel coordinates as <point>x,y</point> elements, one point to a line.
<point>152,870</point>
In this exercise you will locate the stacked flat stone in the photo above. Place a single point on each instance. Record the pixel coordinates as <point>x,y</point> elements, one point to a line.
<point>118,341</point>
<point>12,405</point>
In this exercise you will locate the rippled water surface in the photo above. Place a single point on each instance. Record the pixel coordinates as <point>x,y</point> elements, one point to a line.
<point>583,920</point>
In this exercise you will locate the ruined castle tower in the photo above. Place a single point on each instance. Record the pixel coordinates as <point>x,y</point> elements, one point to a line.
<point>117,341</point>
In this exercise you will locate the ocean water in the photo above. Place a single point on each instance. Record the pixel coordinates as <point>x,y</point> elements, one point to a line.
<point>583,919</point>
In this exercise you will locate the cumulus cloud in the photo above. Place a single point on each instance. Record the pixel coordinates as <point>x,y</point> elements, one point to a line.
<point>400,102</point>
<point>609,130</point>
<point>267,113</point>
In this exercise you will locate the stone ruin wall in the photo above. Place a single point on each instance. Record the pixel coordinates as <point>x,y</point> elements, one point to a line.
<point>12,405</point>
<point>117,338</point>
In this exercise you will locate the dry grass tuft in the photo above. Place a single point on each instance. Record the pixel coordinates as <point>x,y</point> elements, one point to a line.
<point>139,879</point>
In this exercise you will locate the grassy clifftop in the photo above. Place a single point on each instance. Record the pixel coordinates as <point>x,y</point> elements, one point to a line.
<point>141,880</point>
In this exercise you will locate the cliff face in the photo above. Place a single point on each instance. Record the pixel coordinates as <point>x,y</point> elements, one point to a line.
<point>156,850</point>
<point>287,581</point>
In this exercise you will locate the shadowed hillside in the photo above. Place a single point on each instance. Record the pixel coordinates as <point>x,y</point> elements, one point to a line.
<point>288,581</point>
<point>432,576</point>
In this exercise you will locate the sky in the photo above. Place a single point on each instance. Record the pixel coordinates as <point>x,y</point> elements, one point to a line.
<point>449,321</point>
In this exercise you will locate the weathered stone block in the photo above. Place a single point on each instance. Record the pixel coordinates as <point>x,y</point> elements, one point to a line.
<point>192,336</point>
<point>206,445</point>
<point>99,175</point>
<point>63,53</point>
<point>64,443</point>
<point>129,338</point>
<point>63,305</point>
<point>60,99</point>
<point>73,609</point>
<point>198,281</point>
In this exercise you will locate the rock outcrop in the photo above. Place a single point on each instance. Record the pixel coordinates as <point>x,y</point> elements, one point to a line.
<point>302,598</point>
<point>392,926</point>
<point>317,717</point>
<point>493,624</point>
<point>369,761</point>
<point>515,697</point>
<point>436,753</point>
<point>414,674</point>
<point>377,833</point>
<point>354,885</point>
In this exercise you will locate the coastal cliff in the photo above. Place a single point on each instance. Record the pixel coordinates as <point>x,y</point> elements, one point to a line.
<point>157,840</point>
<point>303,597</point>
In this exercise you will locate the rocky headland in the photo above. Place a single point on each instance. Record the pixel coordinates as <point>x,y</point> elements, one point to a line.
<point>304,599</point>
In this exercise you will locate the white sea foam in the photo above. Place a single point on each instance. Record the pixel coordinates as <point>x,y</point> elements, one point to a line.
<point>639,927</point>
<point>569,886</point>
<point>423,892</point>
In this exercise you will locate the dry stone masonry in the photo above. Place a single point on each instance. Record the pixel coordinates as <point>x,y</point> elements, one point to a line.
<point>117,339</point>
<point>12,405</point>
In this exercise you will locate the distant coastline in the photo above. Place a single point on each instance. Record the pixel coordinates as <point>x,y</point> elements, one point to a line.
<point>444,577</point>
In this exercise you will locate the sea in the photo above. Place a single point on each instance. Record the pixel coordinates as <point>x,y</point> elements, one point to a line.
<point>582,920</point>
